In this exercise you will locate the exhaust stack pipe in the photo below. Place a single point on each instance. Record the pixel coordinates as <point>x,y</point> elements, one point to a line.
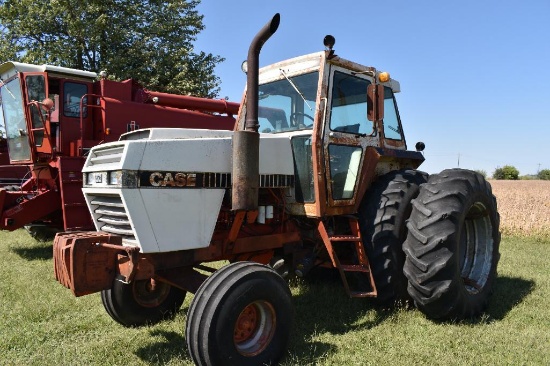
<point>246,143</point>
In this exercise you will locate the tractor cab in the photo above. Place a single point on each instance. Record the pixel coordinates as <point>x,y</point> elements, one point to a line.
<point>35,102</point>
<point>342,120</point>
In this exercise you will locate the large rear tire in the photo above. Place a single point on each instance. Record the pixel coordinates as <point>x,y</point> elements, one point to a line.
<point>383,214</point>
<point>452,248</point>
<point>142,302</point>
<point>241,315</point>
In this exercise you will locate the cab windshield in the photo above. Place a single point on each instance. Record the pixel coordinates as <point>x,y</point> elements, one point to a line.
<point>13,118</point>
<point>288,104</point>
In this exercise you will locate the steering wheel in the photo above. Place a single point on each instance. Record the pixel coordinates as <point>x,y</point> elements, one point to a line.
<point>295,114</point>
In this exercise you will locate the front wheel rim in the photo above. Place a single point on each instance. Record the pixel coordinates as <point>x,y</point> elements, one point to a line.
<point>150,293</point>
<point>254,328</point>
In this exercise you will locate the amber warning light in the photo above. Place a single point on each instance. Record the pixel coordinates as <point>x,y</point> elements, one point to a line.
<point>384,76</point>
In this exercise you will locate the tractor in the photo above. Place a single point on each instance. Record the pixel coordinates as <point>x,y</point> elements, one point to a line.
<point>316,174</point>
<point>53,115</point>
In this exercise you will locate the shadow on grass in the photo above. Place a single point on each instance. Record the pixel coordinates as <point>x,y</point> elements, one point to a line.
<point>508,293</point>
<point>42,251</point>
<point>170,346</point>
<point>322,306</point>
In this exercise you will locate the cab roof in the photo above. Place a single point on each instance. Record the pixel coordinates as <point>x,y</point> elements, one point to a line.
<point>8,69</point>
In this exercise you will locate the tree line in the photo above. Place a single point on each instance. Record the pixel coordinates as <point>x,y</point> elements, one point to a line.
<point>509,172</point>
<point>149,41</point>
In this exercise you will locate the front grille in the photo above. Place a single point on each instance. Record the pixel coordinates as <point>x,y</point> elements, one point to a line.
<point>112,216</point>
<point>106,155</point>
<point>276,181</point>
<point>223,180</point>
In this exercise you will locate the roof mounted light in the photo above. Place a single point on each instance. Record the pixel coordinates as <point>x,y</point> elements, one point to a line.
<point>384,76</point>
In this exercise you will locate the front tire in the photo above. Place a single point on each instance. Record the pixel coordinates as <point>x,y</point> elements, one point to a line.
<point>141,302</point>
<point>452,248</point>
<point>241,315</point>
<point>383,214</point>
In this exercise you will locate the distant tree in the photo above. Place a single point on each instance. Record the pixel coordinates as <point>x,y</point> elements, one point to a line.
<point>149,41</point>
<point>507,172</point>
<point>544,174</point>
<point>482,172</point>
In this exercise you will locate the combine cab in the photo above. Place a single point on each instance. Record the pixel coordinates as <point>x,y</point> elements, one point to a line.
<point>52,117</point>
<point>316,174</point>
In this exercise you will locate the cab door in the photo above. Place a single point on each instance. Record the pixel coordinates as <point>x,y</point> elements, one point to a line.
<point>36,91</point>
<point>347,134</point>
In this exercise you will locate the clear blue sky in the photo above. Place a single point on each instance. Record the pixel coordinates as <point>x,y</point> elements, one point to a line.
<point>475,75</point>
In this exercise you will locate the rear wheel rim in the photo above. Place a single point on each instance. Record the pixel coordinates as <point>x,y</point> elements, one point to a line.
<point>254,328</point>
<point>476,248</point>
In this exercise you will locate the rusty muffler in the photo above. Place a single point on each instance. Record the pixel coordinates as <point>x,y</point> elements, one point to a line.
<point>246,143</point>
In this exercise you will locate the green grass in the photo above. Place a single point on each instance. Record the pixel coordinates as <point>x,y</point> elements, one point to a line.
<point>41,322</point>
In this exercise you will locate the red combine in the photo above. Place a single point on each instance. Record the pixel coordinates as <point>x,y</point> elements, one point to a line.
<point>52,117</point>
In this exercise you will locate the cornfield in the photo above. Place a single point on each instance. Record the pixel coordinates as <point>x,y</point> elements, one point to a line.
<point>524,207</point>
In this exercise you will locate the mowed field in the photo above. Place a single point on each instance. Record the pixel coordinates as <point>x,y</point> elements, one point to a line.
<point>524,206</point>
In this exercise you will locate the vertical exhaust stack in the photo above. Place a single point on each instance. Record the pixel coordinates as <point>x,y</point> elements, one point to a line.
<point>246,143</point>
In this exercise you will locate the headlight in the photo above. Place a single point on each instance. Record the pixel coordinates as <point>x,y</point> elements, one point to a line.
<point>115,178</point>
<point>89,179</point>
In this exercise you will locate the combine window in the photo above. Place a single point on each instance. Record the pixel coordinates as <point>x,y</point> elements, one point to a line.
<point>72,94</point>
<point>14,120</point>
<point>36,91</point>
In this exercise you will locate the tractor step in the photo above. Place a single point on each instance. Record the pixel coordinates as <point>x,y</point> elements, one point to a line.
<point>362,294</point>
<point>355,268</point>
<point>356,274</point>
<point>345,238</point>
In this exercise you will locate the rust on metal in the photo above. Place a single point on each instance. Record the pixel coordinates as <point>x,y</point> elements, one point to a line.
<point>185,278</point>
<point>82,264</point>
<point>133,267</point>
<point>263,242</point>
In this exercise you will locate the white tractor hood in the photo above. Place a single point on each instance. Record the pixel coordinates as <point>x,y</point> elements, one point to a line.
<point>162,189</point>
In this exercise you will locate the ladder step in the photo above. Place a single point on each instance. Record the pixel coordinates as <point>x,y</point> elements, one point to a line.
<point>344,238</point>
<point>354,268</point>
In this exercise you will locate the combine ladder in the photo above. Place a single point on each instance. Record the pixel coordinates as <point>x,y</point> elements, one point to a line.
<point>360,264</point>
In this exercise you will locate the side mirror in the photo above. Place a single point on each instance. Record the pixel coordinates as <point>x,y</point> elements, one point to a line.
<point>375,102</point>
<point>47,104</point>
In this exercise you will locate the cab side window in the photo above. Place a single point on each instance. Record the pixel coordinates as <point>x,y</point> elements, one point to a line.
<point>349,104</point>
<point>392,129</point>
<point>72,94</point>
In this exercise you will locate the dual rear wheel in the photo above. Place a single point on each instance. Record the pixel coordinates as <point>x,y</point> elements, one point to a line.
<point>433,240</point>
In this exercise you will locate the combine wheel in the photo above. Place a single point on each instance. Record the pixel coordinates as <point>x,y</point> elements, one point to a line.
<point>141,302</point>
<point>41,232</point>
<point>383,214</point>
<point>452,248</point>
<point>241,315</point>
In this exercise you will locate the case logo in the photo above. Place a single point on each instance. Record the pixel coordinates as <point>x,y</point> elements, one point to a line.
<point>171,179</point>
